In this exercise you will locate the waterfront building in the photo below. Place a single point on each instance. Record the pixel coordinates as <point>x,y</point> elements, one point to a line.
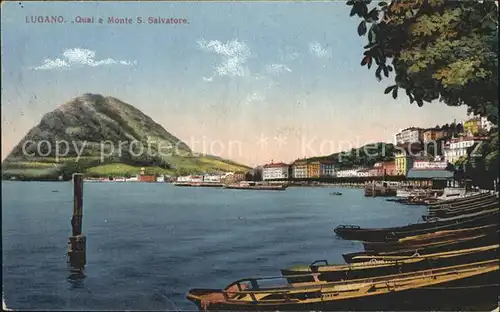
<point>460,147</point>
<point>275,171</point>
<point>184,179</point>
<point>196,179</point>
<point>233,177</point>
<point>327,168</point>
<point>486,124</point>
<point>212,178</point>
<point>239,176</point>
<point>403,163</point>
<point>404,156</point>
<point>346,173</point>
<point>430,177</point>
<point>380,169</point>
<point>472,126</point>
<point>409,135</point>
<point>147,178</point>
<point>132,179</point>
<point>400,160</point>
<point>349,173</point>
<point>377,170</point>
<point>421,164</point>
<point>389,167</point>
<point>364,172</point>
<point>313,169</point>
<point>299,169</point>
<point>433,134</point>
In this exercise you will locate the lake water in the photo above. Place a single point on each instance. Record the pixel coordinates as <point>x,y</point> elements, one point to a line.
<point>148,244</point>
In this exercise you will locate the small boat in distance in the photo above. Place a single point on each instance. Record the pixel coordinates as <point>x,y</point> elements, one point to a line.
<point>250,185</point>
<point>335,193</point>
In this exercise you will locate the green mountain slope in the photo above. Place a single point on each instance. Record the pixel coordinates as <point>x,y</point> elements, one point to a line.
<point>103,136</point>
<point>364,156</point>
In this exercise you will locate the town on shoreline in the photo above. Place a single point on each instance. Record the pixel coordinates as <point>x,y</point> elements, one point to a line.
<point>420,155</point>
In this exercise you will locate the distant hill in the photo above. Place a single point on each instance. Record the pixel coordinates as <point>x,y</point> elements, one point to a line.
<point>364,156</point>
<point>108,134</point>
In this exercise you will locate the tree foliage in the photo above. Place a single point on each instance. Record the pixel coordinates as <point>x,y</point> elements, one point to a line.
<point>442,50</point>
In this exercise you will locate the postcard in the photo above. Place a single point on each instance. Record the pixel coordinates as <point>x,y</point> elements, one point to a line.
<point>254,155</point>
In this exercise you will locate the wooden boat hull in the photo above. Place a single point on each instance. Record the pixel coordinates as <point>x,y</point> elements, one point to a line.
<point>430,239</point>
<point>371,269</point>
<point>395,233</point>
<point>483,240</point>
<point>465,293</point>
<point>448,213</point>
<point>460,201</point>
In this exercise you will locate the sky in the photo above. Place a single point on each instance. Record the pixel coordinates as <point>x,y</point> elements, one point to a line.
<point>252,82</point>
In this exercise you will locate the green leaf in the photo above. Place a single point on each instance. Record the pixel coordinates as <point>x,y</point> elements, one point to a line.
<point>365,60</point>
<point>377,73</point>
<point>353,11</point>
<point>395,93</point>
<point>386,72</point>
<point>382,3</point>
<point>350,2</point>
<point>373,15</point>
<point>389,89</point>
<point>362,28</point>
<point>363,10</point>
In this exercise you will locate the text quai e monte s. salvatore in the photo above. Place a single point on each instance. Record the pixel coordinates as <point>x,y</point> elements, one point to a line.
<point>48,19</point>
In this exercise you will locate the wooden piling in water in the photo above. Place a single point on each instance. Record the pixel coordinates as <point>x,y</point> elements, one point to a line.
<point>77,241</point>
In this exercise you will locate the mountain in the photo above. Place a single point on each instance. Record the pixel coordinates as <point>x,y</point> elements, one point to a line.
<point>103,136</point>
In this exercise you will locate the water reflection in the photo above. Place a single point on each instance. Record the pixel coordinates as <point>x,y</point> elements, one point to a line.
<point>76,277</point>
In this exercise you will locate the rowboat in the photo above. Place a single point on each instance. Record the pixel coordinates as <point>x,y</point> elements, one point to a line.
<point>454,213</point>
<point>456,244</point>
<point>428,289</point>
<point>463,204</point>
<point>385,265</point>
<point>459,201</point>
<point>353,232</point>
<point>426,240</point>
<point>468,205</point>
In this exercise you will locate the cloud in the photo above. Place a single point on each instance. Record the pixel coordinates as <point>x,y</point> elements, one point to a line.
<point>71,57</point>
<point>234,53</point>
<point>317,50</point>
<point>208,79</point>
<point>276,69</point>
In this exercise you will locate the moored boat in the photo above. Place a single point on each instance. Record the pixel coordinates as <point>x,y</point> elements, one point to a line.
<point>430,239</point>
<point>428,289</point>
<point>353,232</point>
<point>450,245</point>
<point>448,213</point>
<point>380,265</point>
<point>460,200</point>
